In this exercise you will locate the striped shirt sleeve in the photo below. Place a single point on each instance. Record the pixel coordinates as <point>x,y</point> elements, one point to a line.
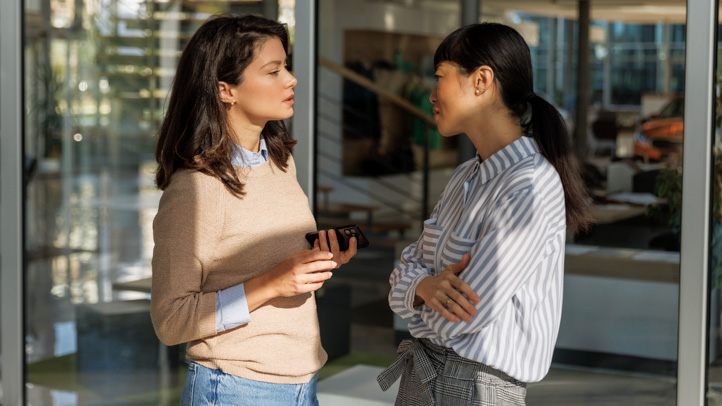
<point>502,260</point>
<point>406,277</point>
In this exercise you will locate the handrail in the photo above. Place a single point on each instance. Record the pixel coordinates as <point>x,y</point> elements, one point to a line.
<point>378,90</point>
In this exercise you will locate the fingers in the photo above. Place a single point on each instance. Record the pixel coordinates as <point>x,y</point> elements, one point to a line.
<point>311,282</point>
<point>450,296</point>
<point>317,277</point>
<point>323,240</point>
<point>310,276</point>
<point>461,306</point>
<point>459,266</point>
<point>329,241</point>
<point>351,251</point>
<point>464,288</point>
<point>333,243</point>
<point>312,257</point>
<point>454,306</point>
<point>457,283</point>
<point>440,307</point>
<point>459,289</point>
<point>311,287</point>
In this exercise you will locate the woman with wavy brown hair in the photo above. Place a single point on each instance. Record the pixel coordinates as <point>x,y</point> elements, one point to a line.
<point>233,275</point>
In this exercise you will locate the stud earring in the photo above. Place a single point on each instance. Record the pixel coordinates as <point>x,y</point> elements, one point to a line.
<point>233,103</point>
<point>477,92</point>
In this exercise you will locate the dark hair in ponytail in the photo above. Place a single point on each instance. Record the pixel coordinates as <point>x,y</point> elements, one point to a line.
<point>502,49</point>
<point>194,133</point>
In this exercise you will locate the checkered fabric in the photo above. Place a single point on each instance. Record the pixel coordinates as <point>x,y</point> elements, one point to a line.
<point>435,375</point>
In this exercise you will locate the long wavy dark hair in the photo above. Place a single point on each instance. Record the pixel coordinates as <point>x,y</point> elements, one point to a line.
<point>502,49</point>
<point>195,133</point>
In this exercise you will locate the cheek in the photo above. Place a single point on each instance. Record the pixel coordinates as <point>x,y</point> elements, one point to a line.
<point>449,104</point>
<point>448,96</point>
<point>257,96</point>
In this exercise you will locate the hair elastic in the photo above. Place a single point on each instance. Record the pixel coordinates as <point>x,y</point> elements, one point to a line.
<point>525,119</point>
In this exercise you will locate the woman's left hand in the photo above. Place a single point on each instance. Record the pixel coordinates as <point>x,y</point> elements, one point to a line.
<point>340,257</point>
<point>448,294</point>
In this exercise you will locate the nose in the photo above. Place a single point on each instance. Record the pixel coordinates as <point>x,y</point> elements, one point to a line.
<point>432,96</point>
<point>292,83</point>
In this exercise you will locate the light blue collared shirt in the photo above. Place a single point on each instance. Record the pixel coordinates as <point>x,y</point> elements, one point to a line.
<point>244,157</point>
<point>231,304</point>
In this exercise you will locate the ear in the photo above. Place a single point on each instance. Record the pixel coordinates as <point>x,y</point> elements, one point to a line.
<point>483,79</point>
<point>226,93</point>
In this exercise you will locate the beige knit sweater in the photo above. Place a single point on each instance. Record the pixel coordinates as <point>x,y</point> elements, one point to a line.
<point>206,240</point>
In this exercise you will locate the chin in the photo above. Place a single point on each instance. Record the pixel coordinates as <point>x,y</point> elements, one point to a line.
<point>282,117</point>
<point>446,133</point>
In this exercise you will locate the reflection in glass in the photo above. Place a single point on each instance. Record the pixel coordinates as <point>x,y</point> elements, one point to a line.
<point>97,73</point>
<point>714,393</point>
<point>619,322</point>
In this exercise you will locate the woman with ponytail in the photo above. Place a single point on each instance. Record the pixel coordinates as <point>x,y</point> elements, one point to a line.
<point>482,286</point>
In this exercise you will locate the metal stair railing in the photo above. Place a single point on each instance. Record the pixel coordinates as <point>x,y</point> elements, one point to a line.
<point>396,100</point>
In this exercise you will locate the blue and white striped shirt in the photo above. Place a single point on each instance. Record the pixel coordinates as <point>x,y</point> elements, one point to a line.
<point>231,304</point>
<point>508,213</point>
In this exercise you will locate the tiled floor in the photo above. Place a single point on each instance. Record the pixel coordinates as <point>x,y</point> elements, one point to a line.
<point>562,387</point>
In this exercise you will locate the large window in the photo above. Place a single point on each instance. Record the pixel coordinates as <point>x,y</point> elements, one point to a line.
<point>97,74</point>
<point>618,336</point>
<point>95,80</point>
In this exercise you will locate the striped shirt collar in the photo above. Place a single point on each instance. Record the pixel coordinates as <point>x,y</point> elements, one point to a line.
<point>506,157</point>
<point>243,157</point>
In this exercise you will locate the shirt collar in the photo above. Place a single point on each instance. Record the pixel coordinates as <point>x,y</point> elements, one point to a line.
<point>505,158</point>
<point>243,157</point>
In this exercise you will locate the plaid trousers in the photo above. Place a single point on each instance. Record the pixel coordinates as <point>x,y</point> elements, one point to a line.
<point>435,375</point>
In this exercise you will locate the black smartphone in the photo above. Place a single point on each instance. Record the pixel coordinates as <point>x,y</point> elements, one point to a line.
<point>343,234</point>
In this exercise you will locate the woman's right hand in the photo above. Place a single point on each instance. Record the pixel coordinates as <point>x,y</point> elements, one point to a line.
<point>303,272</point>
<point>448,294</point>
<point>299,273</point>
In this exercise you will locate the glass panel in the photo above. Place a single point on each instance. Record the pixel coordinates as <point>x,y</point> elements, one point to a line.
<point>618,337</point>
<point>97,73</point>
<point>375,75</point>
<point>620,310</point>
<point>714,387</point>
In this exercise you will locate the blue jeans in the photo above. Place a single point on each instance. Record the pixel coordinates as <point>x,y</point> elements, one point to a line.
<point>205,386</point>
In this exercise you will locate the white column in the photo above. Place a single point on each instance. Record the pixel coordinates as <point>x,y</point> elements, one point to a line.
<point>11,203</point>
<point>698,129</point>
<point>304,119</point>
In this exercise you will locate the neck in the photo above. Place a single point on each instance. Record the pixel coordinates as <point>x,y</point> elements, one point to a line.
<point>245,133</point>
<point>492,132</point>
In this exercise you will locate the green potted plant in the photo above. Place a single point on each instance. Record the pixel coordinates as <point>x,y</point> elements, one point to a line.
<point>669,187</point>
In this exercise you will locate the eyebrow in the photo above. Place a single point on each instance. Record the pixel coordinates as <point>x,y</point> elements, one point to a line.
<point>273,63</point>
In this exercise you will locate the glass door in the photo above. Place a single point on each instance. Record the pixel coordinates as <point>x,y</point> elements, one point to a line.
<point>618,338</point>
<point>714,372</point>
<point>96,77</point>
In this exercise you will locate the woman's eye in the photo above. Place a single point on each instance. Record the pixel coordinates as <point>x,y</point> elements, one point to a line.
<point>275,72</point>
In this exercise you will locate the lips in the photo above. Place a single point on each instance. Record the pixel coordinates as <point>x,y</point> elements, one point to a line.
<point>289,99</point>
